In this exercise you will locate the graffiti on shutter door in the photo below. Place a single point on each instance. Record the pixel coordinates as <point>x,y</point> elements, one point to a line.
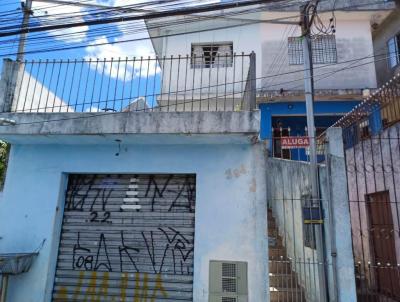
<point>127,238</point>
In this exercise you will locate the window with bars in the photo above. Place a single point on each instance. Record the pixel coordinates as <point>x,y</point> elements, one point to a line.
<point>212,55</point>
<point>393,46</point>
<point>323,49</point>
<point>309,229</point>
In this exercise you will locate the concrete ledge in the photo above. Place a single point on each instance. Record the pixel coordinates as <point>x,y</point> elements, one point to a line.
<point>145,127</point>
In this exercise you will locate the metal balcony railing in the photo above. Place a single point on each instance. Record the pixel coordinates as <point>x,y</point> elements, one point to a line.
<point>130,84</point>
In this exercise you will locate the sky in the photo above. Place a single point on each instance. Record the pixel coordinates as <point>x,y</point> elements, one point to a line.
<point>83,86</point>
<point>111,85</point>
<point>45,10</point>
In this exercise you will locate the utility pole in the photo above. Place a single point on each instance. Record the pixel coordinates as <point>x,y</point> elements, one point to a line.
<point>307,12</point>
<point>27,10</point>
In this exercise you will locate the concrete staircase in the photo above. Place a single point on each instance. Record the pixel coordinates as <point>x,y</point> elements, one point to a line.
<point>283,285</point>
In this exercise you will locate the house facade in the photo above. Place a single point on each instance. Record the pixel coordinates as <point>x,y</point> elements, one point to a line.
<point>272,35</point>
<point>386,38</point>
<point>151,182</point>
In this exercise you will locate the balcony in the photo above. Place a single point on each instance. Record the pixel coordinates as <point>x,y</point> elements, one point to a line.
<point>168,84</point>
<point>98,101</point>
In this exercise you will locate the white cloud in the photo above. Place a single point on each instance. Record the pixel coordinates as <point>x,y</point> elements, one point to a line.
<point>46,12</point>
<point>122,51</point>
<point>131,49</point>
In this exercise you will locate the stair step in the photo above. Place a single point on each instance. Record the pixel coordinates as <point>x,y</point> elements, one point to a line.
<point>273,232</point>
<point>286,295</point>
<point>285,279</point>
<point>276,267</point>
<point>276,253</point>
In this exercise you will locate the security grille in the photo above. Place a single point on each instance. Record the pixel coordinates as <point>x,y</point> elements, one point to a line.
<point>228,281</point>
<point>229,277</point>
<point>323,50</point>
<point>228,299</point>
<point>127,238</point>
<point>212,55</point>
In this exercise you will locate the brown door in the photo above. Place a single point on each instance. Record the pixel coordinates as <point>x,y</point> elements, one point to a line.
<point>383,244</point>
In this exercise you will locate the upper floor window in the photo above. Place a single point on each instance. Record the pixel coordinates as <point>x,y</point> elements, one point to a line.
<point>211,55</point>
<point>323,49</point>
<point>394,51</point>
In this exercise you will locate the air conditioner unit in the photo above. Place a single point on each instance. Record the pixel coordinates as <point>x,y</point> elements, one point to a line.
<point>228,281</point>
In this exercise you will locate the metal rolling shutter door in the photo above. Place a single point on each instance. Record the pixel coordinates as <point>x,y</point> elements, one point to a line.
<point>127,238</point>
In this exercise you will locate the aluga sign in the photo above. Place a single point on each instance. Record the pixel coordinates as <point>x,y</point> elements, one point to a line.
<point>295,142</point>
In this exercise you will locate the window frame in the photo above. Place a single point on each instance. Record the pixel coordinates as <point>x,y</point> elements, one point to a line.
<point>396,39</point>
<point>210,62</point>
<point>309,234</point>
<point>321,55</point>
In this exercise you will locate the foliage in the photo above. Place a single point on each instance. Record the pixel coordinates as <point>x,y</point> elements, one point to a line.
<point>4,151</point>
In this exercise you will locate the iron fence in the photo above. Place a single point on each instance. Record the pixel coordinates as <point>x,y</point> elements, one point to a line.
<point>133,84</point>
<point>294,220</point>
<point>371,134</point>
<point>300,154</point>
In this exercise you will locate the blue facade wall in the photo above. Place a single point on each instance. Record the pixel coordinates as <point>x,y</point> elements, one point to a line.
<point>230,206</point>
<point>325,111</point>
<point>293,115</point>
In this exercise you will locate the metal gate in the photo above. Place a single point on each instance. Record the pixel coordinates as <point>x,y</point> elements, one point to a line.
<point>371,134</point>
<point>127,238</point>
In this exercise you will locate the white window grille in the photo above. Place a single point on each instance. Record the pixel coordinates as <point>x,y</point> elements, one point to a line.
<point>323,49</point>
<point>212,55</point>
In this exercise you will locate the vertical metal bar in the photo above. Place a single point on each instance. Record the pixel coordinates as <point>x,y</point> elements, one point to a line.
<point>177,83</point>
<point>123,85</point>
<point>79,85</point>
<point>116,84</point>
<point>86,85</point>
<point>209,87</point>
<point>56,89</point>
<point>186,76</point>
<point>94,86</point>
<point>27,87</point>
<point>101,84</point>
<point>162,82</point>
<point>169,82</point>
<point>194,77</point>
<point>201,80</point>
<point>393,177</point>
<point>108,85</point>
<point>139,82</point>
<point>225,88</point>
<point>147,82</point>
<point>72,84</point>
<point>253,82</point>
<point>34,88</point>
<point>243,86</point>
<point>62,103</point>
<point>233,81</point>
<point>131,85</point>
<point>154,83</point>
<point>217,88</point>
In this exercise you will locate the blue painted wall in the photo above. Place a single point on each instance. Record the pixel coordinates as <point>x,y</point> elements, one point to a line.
<point>293,115</point>
<point>290,109</point>
<point>230,205</point>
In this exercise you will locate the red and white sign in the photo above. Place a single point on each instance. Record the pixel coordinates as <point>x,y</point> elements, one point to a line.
<point>295,142</point>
